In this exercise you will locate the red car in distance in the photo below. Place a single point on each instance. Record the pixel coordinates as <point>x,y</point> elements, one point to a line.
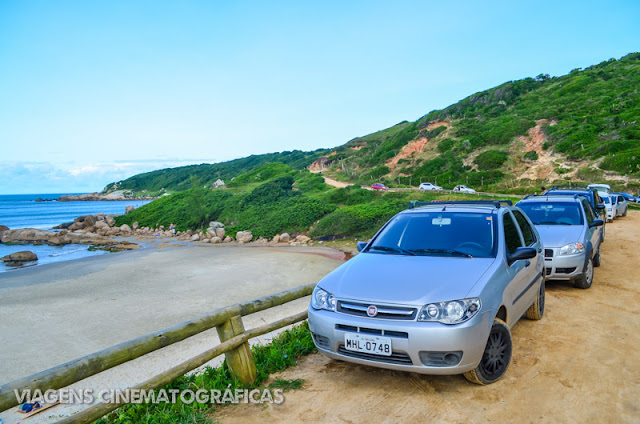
<point>378,186</point>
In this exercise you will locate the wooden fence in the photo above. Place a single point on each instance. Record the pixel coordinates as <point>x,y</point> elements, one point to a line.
<point>234,344</point>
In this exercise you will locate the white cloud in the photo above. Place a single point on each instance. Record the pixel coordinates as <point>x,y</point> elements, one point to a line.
<point>71,177</point>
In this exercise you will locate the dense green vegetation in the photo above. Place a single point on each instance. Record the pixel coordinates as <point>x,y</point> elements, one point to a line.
<point>281,353</point>
<point>266,209</point>
<point>178,179</point>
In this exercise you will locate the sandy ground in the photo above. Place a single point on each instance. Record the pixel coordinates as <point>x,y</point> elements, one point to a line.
<point>581,363</point>
<point>54,313</point>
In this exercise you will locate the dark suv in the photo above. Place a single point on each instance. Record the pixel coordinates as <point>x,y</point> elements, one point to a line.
<point>591,194</point>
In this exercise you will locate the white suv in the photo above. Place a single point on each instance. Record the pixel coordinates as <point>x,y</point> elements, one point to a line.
<point>429,187</point>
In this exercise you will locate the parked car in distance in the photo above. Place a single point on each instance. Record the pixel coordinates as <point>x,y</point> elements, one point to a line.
<point>568,226</point>
<point>463,189</point>
<point>436,291</point>
<point>378,186</point>
<point>630,198</point>
<point>621,204</point>
<point>429,187</point>
<point>601,187</point>
<point>590,193</point>
<point>608,204</point>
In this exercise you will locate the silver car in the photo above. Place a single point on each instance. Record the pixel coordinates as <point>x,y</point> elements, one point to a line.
<point>568,226</point>
<point>436,291</point>
<point>621,203</point>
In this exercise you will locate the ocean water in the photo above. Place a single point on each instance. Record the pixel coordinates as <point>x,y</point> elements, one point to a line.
<point>22,211</point>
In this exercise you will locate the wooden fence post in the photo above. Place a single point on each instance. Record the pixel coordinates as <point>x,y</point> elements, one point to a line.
<point>239,360</point>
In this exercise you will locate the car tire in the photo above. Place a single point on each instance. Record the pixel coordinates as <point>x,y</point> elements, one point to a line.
<point>536,310</point>
<point>586,279</point>
<point>596,258</point>
<point>496,357</point>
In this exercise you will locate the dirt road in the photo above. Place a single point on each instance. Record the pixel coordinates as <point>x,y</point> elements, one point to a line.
<point>581,363</point>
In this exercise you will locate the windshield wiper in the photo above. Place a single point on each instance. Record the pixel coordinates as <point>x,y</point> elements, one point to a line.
<point>392,249</point>
<point>449,251</point>
<point>552,223</point>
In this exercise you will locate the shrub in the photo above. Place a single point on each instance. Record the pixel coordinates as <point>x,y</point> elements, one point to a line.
<point>358,220</point>
<point>531,155</point>
<point>491,159</point>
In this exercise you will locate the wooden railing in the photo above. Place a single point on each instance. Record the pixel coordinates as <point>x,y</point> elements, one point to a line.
<point>234,344</point>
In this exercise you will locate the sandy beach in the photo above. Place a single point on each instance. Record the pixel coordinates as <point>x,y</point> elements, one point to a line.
<point>58,312</point>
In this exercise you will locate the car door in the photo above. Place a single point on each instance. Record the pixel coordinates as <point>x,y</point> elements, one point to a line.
<point>518,271</point>
<point>593,233</point>
<point>622,204</point>
<point>534,271</point>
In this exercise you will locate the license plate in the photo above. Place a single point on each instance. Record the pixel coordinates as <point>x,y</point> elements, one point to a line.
<point>368,344</point>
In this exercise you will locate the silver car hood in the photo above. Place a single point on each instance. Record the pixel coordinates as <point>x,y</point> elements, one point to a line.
<point>559,235</point>
<point>408,280</point>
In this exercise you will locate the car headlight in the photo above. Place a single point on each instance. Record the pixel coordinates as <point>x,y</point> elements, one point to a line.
<point>571,249</point>
<point>322,299</point>
<point>452,312</point>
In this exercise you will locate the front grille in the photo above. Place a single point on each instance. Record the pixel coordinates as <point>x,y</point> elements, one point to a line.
<point>362,330</point>
<point>385,312</point>
<point>547,271</point>
<point>321,341</point>
<point>399,358</point>
<point>548,253</point>
<point>565,270</point>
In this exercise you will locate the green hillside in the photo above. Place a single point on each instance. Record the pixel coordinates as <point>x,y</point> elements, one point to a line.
<point>584,126</point>
<point>580,126</point>
<point>178,179</point>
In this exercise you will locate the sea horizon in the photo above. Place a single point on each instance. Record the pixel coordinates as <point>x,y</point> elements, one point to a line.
<point>22,211</point>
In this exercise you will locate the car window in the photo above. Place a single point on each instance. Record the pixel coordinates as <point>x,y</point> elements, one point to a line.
<point>525,228</point>
<point>552,213</point>
<point>511,236</point>
<point>588,211</point>
<point>620,199</point>
<point>437,234</point>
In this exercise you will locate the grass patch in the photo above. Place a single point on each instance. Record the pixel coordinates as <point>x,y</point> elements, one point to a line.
<point>286,385</point>
<point>282,353</point>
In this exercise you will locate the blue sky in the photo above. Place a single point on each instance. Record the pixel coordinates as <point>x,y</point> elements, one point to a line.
<point>94,92</point>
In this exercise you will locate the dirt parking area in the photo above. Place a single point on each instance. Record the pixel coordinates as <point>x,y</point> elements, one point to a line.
<point>580,363</point>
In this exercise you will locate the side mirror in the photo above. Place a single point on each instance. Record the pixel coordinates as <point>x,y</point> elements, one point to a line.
<point>522,253</point>
<point>600,206</point>
<point>361,245</point>
<point>596,223</point>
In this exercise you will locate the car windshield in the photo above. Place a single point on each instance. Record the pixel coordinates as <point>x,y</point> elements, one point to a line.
<point>461,234</point>
<point>553,213</point>
<point>605,200</point>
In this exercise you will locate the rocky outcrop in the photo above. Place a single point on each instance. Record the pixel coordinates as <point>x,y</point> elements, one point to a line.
<point>285,237</point>
<point>128,209</point>
<point>19,258</point>
<point>3,228</point>
<point>36,236</point>
<point>320,164</point>
<point>217,183</point>
<point>244,236</point>
<point>90,197</point>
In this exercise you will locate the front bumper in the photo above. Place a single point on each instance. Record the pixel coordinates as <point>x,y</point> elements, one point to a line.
<point>563,267</point>
<point>408,338</point>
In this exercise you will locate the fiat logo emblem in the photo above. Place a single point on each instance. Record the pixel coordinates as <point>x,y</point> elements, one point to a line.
<point>372,311</point>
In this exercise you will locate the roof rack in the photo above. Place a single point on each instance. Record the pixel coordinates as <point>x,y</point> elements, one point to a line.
<point>571,186</point>
<point>495,203</point>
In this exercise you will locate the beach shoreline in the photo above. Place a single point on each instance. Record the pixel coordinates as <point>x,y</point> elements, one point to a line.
<point>73,308</point>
